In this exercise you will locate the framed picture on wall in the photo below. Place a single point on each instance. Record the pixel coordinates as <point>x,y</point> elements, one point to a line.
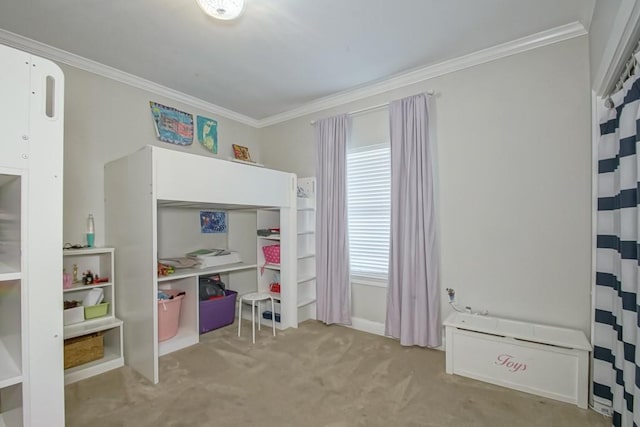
<point>241,153</point>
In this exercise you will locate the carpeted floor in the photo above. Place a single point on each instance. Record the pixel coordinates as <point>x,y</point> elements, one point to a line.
<point>315,375</point>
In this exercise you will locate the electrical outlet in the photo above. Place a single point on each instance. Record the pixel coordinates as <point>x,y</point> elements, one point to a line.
<point>603,409</point>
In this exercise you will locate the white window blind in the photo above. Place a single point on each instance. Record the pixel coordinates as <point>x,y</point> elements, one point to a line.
<point>369,210</point>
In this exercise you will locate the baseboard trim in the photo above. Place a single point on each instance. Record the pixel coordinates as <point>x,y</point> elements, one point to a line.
<point>364,325</point>
<point>377,328</point>
<point>602,408</point>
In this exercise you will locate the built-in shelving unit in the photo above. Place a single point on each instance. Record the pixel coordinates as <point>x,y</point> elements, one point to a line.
<point>99,261</point>
<point>303,291</point>
<point>306,248</point>
<point>269,272</point>
<point>31,159</point>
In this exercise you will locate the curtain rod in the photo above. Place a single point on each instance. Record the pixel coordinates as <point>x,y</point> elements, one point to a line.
<point>628,68</point>
<point>372,108</point>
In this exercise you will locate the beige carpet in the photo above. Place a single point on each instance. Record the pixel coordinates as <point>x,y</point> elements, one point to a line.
<point>316,375</point>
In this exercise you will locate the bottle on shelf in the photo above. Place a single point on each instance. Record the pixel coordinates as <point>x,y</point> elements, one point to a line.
<point>90,231</point>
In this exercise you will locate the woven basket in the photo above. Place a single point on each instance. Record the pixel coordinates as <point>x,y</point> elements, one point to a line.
<point>271,254</point>
<point>84,349</point>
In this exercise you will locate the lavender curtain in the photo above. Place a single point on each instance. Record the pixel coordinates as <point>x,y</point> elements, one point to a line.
<point>332,246</point>
<point>413,297</point>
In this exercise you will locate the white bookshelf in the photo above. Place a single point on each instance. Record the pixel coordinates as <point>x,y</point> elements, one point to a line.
<point>306,249</point>
<point>267,272</point>
<point>99,261</point>
<point>302,293</point>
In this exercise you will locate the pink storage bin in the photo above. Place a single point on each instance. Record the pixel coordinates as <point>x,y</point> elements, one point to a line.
<point>271,254</point>
<point>169,315</point>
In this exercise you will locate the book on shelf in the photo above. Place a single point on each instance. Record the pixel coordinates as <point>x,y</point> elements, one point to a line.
<point>214,257</point>
<point>201,253</point>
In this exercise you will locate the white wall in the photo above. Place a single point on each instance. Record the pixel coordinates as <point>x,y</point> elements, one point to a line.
<point>105,120</point>
<point>512,156</point>
<point>179,233</point>
<point>513,181</point>
<point>604,15</point>
<point>613,36</point>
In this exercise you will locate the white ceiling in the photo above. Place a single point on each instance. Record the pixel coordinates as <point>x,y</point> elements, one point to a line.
<point>281,54</point>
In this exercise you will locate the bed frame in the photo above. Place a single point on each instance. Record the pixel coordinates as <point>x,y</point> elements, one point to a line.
<point>136,186</point>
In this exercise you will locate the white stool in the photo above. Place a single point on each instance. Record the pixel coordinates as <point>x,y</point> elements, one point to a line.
<point>252,298</point>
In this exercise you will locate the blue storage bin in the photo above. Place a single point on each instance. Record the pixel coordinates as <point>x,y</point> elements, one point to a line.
<point>267,315</point>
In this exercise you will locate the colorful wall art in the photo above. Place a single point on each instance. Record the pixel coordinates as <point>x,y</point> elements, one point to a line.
<point>173,126</point>
<point>208,133</point>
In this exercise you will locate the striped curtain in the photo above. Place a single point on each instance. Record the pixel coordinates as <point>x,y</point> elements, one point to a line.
<point>616,370</point>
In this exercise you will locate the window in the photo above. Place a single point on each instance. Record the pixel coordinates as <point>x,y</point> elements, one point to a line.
<point>369,210</point>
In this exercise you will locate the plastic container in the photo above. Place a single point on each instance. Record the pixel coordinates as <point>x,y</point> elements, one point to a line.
<point>93,311</point>
<point>267,315</point>
<point>169,315</point>
<point>73,315</point>
<point>217,313</point>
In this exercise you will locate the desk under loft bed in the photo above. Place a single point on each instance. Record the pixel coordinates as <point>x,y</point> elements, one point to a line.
<point>138,188</point>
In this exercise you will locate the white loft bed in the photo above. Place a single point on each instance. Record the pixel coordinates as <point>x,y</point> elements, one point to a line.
<point>136,186</point>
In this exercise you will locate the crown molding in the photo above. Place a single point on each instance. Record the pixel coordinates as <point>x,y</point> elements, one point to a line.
<point>533,41</point>
<point>61,56</point>
<point>619,47</point>
<point>554,35</point>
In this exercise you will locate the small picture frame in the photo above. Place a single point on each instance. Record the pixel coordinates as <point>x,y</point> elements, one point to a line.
<point>241,153</point>
<point>213,222</point>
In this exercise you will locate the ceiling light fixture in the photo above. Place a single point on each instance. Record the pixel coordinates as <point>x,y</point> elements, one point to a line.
<point>222,9</point>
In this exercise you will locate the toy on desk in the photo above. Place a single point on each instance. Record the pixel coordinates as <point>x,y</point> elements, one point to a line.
<point>165,270</point>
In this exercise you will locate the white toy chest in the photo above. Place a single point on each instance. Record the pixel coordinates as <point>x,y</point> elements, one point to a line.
<point>544,360</point>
